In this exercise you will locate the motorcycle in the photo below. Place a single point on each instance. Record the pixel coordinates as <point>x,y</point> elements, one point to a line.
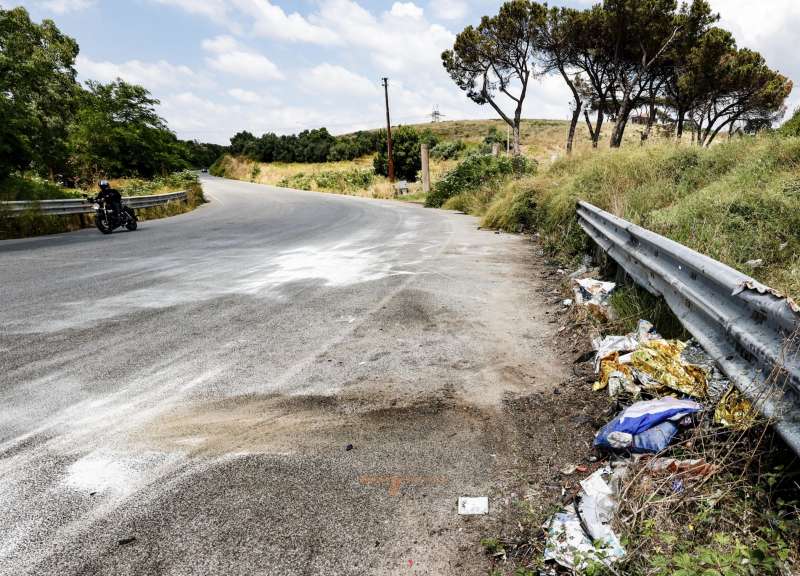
<point>106,218</point>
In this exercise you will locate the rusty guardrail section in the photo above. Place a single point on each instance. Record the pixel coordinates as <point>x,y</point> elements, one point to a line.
<point>81,206</point>
<point>750,330</point>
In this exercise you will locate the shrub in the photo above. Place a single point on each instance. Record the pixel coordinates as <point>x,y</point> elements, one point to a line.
<point>475,171</point>
<point>330,180</point>
<point>447,149</point>
<point>792,126</point>
<point>406,143</point>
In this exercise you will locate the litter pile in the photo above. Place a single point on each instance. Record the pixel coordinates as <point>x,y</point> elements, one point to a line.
<point>662,387</point>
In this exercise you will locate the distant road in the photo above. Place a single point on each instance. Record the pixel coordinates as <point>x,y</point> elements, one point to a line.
<point>181,399</point>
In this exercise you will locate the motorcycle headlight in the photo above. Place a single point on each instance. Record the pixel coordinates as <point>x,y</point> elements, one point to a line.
<point>96,206</point>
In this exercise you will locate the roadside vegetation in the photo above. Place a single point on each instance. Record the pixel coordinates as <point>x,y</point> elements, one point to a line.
<point>34,223</point>
<point>737,202</point>
<point>59,138</point>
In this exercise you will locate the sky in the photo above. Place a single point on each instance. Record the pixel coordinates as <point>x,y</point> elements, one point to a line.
<point>221,66</point>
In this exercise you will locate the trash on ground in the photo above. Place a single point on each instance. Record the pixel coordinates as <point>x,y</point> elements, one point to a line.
<point>646,426</point>
<point>757,263</point>
<point>695,467</point>
<point>478,506</point>
<point>717,382</point>
<point>572,468</point>
<point>566,302</point>
<point>591,291</point>
<point>579,536</point>
<point>735,411</point>
<point>661,363</point>
<point>579,272</point>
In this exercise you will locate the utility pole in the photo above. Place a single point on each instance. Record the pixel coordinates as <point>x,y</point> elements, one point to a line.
<point>388,130</point>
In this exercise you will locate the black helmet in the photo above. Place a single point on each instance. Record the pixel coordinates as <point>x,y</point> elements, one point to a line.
<point>104,185</point>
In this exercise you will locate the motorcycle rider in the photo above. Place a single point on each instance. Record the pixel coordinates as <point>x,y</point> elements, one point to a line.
<point>112,197</point>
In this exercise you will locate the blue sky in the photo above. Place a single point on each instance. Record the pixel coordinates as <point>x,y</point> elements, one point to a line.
<point>220,66</point>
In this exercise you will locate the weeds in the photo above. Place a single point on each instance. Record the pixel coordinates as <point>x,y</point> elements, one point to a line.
<point>733,202</point>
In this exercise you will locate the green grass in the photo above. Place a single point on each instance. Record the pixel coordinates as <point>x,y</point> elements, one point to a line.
<point>736,202</point>
<point>17,188</point>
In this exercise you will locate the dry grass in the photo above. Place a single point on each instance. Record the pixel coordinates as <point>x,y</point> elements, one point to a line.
<point>543,140</point>
<point>738,202</point>
<point>324,176</point>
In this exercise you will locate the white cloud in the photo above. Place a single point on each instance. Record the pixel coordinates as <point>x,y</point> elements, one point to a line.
<point>250,97</point>
<point>64,6</point>
<point>333,80</point>
<point>407,10</point>
<point>230,57</point>
<point>449,9</point>
<point>151,75</point>
<point>215,9</point>
<point>271,21</point>
<point>395,43</point>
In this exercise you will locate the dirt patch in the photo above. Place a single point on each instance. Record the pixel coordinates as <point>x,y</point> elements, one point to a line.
<point>290,424</point>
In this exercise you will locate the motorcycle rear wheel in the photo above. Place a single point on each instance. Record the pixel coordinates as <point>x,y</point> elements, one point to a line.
<point>132,223</point>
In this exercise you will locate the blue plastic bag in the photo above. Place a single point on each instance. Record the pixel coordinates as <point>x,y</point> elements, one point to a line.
<point>647,426</point>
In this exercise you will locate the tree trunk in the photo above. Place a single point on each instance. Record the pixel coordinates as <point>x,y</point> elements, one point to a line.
<point>622,121</point>
<point>589,125</point>
<point>679,127</point>
<point>651,119</point>
<point>576,116</point>
<point>516,135</point>
<point>598,126</point>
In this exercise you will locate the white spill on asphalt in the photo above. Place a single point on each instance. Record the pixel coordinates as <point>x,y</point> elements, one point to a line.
<point>101,473</point>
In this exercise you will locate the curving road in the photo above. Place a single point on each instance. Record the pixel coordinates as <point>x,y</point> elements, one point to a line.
<point>279,382</point>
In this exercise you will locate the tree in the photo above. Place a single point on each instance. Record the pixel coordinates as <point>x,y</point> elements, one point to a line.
<point>641,32</point>
<point>593,55</point>
<point>117,132</point>
<point>558,43</point>
<point>497,58</point>
<point>406,151</point>
<point>37,93</point>
<point>744,89</point>
<point>696,47</point>
<point>242,143</point>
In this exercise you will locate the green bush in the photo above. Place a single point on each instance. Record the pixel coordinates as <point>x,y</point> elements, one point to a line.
<point>475,171</point>
<point>448,149</point>
<point>792,126</point>
<point>406,142</point>
<point>331,180</point>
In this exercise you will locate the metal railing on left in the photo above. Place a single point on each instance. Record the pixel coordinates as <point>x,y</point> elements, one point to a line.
<point>81,206</point>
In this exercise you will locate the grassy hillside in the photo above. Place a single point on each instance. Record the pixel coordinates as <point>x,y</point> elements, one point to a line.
<point>354,177</point>
<point>737,202</point>
<point>542,140</point>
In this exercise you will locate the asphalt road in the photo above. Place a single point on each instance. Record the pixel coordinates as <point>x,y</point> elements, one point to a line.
<point>181,399</point>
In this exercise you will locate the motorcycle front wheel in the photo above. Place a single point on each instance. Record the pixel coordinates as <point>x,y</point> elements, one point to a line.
<point>102,224</point>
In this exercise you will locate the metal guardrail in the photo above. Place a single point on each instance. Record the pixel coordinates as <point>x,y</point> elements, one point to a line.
<point>749,329</point>
<point>81,206</point>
